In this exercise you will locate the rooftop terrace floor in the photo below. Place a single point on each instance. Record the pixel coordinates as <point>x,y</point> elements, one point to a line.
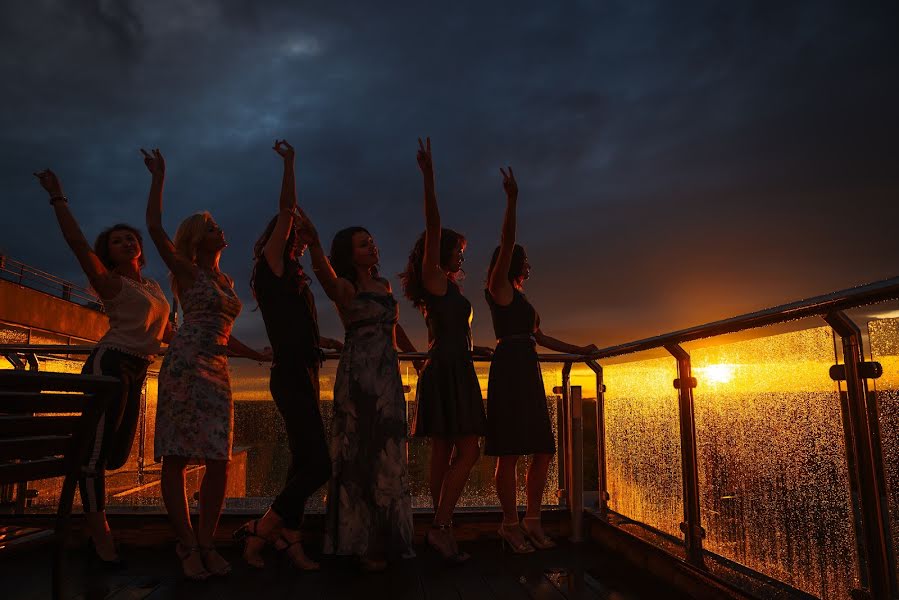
<point>570,571</point>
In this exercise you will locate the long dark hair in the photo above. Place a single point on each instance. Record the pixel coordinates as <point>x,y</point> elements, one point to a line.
<point>101,244</point>
<point>342,254</point>
<point>292,267</point>
<point>516,265</point>
<point>413,288</point>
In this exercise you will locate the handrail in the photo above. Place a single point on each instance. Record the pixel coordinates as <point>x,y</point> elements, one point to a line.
<point>329,355</point>
<point>18,272</point>
<point>879,291</point>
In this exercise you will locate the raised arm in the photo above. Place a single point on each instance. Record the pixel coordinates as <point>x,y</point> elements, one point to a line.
<point>274,247</point>
<point>498,283</point>
<point>337,288</point>
<point>106,284</point>
<point>183,270</point>
<point>432,275</point>
<point>560,346</point>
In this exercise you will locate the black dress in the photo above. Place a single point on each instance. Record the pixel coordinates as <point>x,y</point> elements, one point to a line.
<point>449,396</point>
<point>517,415</point>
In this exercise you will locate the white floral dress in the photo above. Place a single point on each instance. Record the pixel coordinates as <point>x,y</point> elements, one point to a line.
<point>195,412</point>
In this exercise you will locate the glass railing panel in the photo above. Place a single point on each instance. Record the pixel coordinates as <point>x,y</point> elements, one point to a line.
<point>643,443</point>
<point>773,478</point>
<point>884,337</point>
<point>12,334</point>
<point>480,491</point>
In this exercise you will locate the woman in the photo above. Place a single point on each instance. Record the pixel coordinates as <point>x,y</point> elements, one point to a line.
<point>194,411</point>
<point>138,321</point>
<point>450,406</point>
<point>517,417</point>
<point>288,309</point>
<point>369,504</point>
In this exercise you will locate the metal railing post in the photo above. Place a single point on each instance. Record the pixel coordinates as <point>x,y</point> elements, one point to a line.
<point>576,463</point>
<point>692,528</point>
<point>602,474</point>
<point>562,419</point>
<point>876,573</point>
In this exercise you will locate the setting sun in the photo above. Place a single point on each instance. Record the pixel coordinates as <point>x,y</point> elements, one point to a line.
<point>716,373</point>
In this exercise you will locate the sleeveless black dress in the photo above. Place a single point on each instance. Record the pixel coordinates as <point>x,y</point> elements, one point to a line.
<point>517,416</point>
<point>449,396</point>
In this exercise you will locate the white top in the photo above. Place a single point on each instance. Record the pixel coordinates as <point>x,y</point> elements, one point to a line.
<point>137,318</point>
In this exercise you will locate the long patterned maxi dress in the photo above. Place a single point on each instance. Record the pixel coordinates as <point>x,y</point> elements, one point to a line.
<point>369,503</point>
<point>194,413</point>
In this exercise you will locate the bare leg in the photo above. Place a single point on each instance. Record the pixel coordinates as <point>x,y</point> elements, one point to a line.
<point>441,450</point>
<point>174,497</point>
<point>506,489</point>
<point>536,483</point>
<point>212,499</point>
<point>455,478</point>
<point>98,529</point>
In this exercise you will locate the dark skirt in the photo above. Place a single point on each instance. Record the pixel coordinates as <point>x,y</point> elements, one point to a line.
<point>449,398</point>
<point>517,414</point>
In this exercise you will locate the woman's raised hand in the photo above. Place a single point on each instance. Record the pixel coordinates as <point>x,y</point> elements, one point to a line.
<point>509,183</point>
<point>283,148</point>
<point>154,161</point>
<point>425,162</point>
<point>306,231</point>
<point>50,182</point>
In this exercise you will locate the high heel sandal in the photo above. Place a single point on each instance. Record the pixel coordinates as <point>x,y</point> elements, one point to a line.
<point>97,562</point>
<point>540,541</point>
<point>184,553</point>
<point>307,564</point>
<point>523,547</point>
<point>447,547</point>
<point>223,569</point>
<point>243,534</point>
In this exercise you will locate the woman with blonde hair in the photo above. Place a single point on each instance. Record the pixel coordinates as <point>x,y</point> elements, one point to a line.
<point>195,412</point>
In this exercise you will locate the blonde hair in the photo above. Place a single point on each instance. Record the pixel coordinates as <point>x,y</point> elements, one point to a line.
<point>187,239</point>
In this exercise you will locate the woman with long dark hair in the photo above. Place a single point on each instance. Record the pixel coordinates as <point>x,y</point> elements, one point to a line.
<point>281,288</point>
<point>369,512</point>
<point>195,410</point>
<point>517,416</point>
<point>138,321</point>
<point>450,406</point>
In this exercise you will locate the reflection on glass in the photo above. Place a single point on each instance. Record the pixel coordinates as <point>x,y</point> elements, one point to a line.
<point>260,455</point>
<point>884,336</point>
<point>774,490</point>
<point>643,443</point>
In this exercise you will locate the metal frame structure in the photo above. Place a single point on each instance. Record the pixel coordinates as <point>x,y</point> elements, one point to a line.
<point>877,568</point>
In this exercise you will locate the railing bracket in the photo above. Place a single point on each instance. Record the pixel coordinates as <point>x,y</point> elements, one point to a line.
<point>866,369</point>
<point>685,383</point>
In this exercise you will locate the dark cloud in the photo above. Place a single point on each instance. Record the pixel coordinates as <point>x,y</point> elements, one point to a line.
<point>679,162</point>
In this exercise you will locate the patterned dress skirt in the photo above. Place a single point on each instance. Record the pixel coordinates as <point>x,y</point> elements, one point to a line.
<point>369,507</point>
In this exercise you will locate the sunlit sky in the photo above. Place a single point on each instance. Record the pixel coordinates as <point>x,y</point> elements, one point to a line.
<point>678,162</point>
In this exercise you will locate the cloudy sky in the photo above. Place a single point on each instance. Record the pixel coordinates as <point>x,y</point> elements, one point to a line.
<point>679,162</point>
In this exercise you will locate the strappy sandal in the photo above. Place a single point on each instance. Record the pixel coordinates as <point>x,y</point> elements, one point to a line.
<point>223,569</point>
<point>184,553</point>
<point>445,547</point>
<point>306,565</point>
<point>523,547</point>
<point>242,535</point>
<point>540,541</point>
